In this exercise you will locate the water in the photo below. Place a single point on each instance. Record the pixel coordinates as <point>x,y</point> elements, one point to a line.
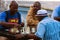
<point>23,11</point>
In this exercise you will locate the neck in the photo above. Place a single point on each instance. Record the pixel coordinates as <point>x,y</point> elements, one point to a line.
<point>41,18</point>
<point>12,13</point>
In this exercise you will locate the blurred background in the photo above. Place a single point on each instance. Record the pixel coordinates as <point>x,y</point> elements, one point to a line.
<point>24,5</point>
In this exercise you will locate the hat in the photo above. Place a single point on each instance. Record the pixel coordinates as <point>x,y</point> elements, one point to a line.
<point>41,13</point>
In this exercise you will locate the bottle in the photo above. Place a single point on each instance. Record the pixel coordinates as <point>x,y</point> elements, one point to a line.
<point>27,30</point>
<point>33,30</point>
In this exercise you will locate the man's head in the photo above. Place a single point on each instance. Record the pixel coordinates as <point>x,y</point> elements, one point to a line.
<point>13,6</point>
<point>41,14</point>
<point>37,5</point>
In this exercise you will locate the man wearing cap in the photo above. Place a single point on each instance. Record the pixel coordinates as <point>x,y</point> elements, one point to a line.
<point>56,13</point>
<point>47,28</point>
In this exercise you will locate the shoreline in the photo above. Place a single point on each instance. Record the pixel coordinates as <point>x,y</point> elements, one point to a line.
<point>42,8</point>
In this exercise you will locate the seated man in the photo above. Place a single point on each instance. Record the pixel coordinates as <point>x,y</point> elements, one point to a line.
<point>11,19</point>
<point>47,28</point>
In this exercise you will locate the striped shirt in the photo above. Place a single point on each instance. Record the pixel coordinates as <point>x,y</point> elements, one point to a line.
<point>48,29</point>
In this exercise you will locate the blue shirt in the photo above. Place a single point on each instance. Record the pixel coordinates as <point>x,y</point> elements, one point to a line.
<point>56,12</point>
<point>11,18</point>
<point>48,29</point>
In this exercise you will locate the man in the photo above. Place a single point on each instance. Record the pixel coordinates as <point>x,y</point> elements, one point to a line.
<point>11,18</point>
<point>47,28</point>
<point>56,13</point>
<point>31,18</point>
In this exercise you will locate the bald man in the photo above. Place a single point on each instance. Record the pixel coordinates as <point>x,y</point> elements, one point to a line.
<point>10,19</point>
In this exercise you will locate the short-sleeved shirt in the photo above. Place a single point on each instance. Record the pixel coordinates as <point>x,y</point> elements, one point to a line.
<point>56,12</point>
<point>11,18</point>
<point>48,29</point>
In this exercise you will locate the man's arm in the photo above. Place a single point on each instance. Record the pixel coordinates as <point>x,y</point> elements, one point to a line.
<point>9,25</point>
<point>57,18</point>
<point>6,24</point>
<point>22,24</point>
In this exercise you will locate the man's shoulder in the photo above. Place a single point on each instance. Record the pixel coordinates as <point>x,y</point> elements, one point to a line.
<point>19,13</point>
<point>49,20</point>
<point>58,6</point>
<point>2,13</point>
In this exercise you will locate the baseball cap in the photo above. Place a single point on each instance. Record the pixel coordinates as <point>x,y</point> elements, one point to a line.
<point>41,13</point>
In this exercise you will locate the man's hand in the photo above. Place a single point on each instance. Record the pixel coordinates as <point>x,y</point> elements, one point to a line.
<point>22,24</point>
<point>57,18</point>
<point>19,25</point>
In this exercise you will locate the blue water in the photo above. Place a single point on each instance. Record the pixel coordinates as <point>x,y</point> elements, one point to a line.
<point>23,11</point>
